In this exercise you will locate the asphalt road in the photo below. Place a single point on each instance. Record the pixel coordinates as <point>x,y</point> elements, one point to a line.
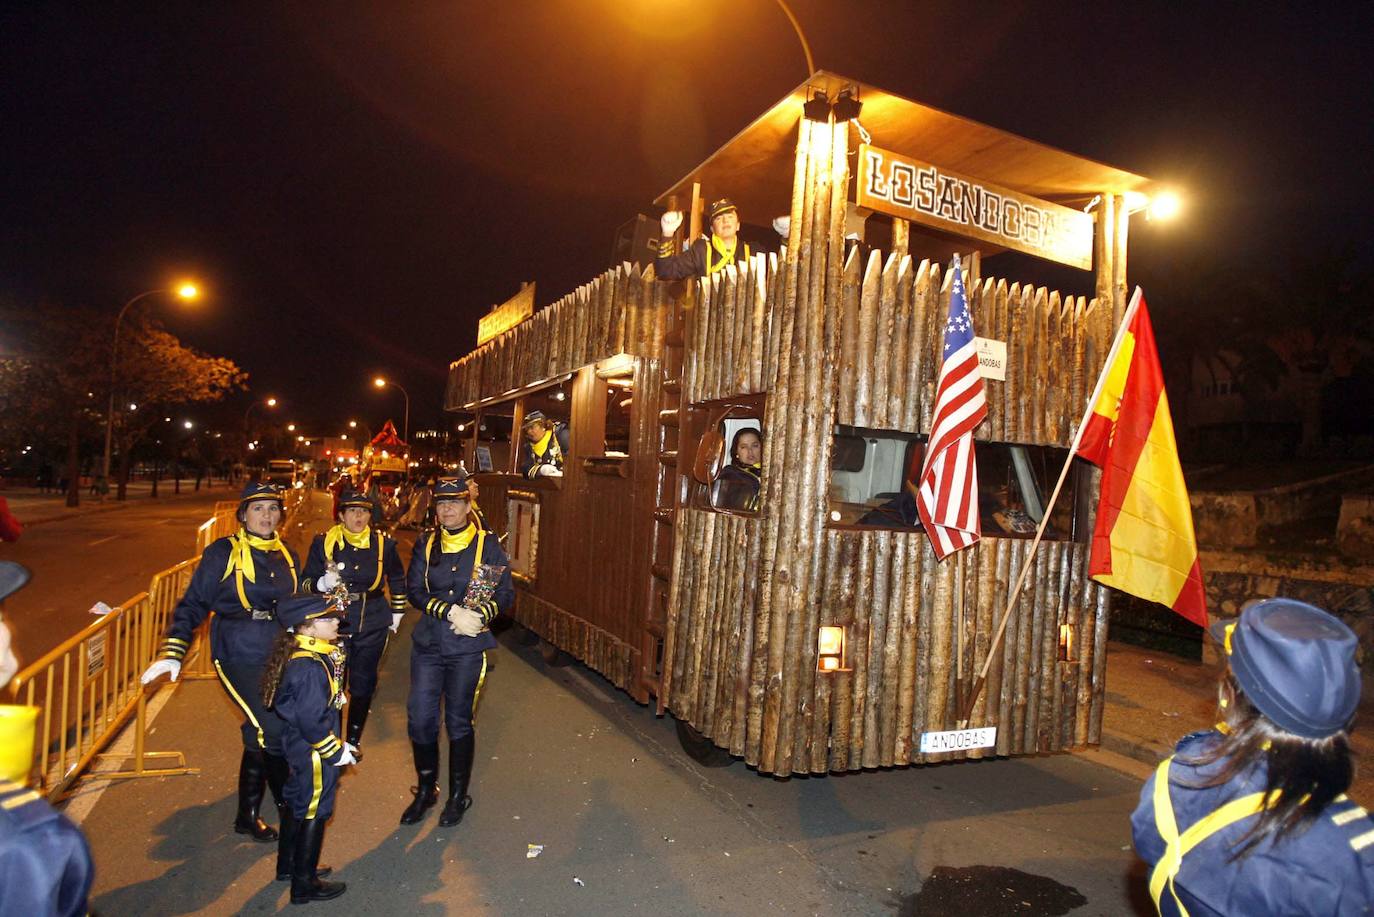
<point>628,824</point>
<point>110,557</point>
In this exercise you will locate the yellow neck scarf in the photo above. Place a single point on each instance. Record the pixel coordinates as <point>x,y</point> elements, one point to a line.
<point>339,534</point>
<point>314,644</point>
<point>543,445</point>
<point>453,542</point>
<point>241,552</point>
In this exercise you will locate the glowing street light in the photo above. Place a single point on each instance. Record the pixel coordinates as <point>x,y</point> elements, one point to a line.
<point>187,292</point>
<point>382,382</point>
<point>291,428</point>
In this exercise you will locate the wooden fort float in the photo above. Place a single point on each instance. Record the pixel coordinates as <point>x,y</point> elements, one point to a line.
<point>630,563</point>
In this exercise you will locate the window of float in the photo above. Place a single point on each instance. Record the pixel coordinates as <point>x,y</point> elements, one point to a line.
<point>726,427</point>
<point>555,402</point>
<point>873,476</point>
<point>609,414</point>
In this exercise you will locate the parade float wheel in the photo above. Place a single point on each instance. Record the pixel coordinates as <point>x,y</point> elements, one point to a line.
<point>701,749</point>
<point>553,656</point>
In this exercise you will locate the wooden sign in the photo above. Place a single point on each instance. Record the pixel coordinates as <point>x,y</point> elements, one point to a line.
<point>506,316</point>
<point>931,196</point>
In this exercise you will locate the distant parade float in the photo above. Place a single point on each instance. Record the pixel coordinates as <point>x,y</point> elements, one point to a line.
<point>819,632</point>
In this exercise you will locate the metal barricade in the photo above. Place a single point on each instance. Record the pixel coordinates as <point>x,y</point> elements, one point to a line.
<point>89,686</point>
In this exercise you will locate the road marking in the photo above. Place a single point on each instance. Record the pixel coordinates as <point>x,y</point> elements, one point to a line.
<point>86,796</point>
<point>91,544</point>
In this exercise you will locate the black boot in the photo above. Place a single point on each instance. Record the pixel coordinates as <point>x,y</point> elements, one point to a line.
<point>286,847</point>
<point>427,775</point>
<point>305,880</point>
<point>252,782</point>
<point>459,774</point>
<point>357,718</point>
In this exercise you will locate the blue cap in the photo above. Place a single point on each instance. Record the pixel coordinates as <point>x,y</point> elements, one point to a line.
<point>353,498</point>
<point>1296,663</point>
<point>13,576</point>
<point>259,490</point>
<point>296,610</point>
<point>533,417</point>
<point>451,488</point>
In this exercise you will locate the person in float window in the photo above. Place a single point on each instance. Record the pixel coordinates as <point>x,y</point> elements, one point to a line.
<point>545,447</point>
<point>1251,817</point>
<point>739,482</point>
<point>707,255</point>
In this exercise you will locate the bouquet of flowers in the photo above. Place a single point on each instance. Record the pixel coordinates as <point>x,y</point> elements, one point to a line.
<point>482,587</point>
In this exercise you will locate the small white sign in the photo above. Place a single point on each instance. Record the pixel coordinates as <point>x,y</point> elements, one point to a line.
<point>992,358</point>
<point>958,740</point>
<point>95,654</point>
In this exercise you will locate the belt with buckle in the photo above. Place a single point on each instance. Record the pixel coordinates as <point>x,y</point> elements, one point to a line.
<point>260,614</point>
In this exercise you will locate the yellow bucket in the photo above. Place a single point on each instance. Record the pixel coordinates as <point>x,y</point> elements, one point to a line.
<point>17,725</point>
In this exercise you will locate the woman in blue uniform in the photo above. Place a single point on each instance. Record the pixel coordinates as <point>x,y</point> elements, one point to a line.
<point>448,653</point>
<point>366,561</point>
<point>304,687</point>
<point>240,578</point>
<point>1252,818</point>
<point>739,482</point>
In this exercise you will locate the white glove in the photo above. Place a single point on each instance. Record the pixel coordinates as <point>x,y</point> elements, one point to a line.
<point>550,471</point>
<point>782,225</point>
<point>669,222</point>
<point>9,663</point>
<point>396,617</point>
<point>347,756</point>
<point>162,667</point>
<point>466,622</point>
<point>328,581</point>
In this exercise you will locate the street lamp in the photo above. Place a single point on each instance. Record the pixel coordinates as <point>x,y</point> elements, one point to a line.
<point>270,402</point>
<point>188,292</point>
<point>381,382</point>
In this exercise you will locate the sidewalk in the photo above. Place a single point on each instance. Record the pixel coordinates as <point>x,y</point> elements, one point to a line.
<point>1154,699</point>
<point>33,507</point>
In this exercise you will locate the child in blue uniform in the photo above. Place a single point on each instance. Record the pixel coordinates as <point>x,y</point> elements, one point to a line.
<point>367,562</point>
<point>449,644</point>
<point>304,687</point>
<point>1252,818</point>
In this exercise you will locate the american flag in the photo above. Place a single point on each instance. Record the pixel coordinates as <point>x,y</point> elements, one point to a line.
<point>947,498</point>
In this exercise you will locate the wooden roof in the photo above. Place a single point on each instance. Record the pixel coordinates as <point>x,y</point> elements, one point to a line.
<point>755,167</point>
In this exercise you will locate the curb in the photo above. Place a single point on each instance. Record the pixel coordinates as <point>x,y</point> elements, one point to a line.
<point>1136,749</point>
<point>93,511</point>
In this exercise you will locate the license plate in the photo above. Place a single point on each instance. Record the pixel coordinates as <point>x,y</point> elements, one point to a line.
<point>958,740</point>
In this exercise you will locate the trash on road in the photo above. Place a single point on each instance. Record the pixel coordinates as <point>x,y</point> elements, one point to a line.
<point>100,609</point>
<point>533,850</point>
<point>577,881</point>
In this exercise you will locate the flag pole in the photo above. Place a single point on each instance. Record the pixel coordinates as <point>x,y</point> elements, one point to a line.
<point>981,680</point>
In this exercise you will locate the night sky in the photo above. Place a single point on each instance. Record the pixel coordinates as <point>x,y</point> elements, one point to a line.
<point>356,183</point>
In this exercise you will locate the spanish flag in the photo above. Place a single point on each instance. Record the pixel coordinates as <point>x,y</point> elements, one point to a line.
<point>1143,543</point>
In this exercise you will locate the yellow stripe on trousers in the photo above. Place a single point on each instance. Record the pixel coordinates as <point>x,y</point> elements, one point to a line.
<point>238,700</point>
<point>477,695</point>
<point>318,784</point>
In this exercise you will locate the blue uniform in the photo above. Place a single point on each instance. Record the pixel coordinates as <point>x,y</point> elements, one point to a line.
<point>554,452</point>
<point>240,581</point>
<point>307,701</point>
<point>1327,869</point>
<point>371,568</point>
<point>442,663</point>
<point>45,862</point>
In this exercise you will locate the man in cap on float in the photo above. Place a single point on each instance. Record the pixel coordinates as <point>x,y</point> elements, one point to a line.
<point>1251,817</point>
<point>707,255</point>
<point>545,446</point>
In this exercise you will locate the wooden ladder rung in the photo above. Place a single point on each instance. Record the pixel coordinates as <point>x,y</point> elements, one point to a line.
<point>672,386</point>
<point>665,514</point>
<point>668,417</point>
<point>668,457</point>
<point>662,571</point>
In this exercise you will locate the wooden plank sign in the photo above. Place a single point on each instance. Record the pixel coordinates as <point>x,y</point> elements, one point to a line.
<point>506,316</point>
<point>912,190</point>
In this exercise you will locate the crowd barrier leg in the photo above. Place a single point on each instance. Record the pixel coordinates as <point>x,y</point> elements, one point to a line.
<point>141,755</point>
